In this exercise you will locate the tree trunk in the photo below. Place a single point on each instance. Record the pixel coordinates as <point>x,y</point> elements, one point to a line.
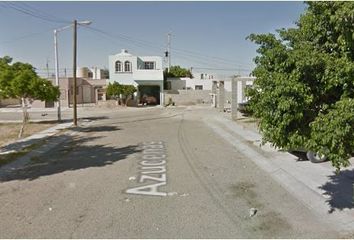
<point>25,116</point>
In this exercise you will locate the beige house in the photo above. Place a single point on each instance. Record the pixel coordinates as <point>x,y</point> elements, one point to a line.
<point>88,91</point>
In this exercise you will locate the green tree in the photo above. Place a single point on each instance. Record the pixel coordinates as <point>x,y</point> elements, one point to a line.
<point>303,94</point>
<point>128,91</point>
<point>114,90</point>
<point>118,91</point>
<point>19,80</point>
<point>177,71</point>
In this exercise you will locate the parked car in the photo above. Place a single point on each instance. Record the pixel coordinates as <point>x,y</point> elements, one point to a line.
<point>311,156</point>
<point>243,108</point>
<point>149,100</point>
<point>315,157</point>
<point>304,153</point>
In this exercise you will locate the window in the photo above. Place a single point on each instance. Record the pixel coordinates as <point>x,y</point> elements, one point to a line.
<point>198,87</point>
<point>127,67</point>
<point>149,65</point>
<point>118,66</point>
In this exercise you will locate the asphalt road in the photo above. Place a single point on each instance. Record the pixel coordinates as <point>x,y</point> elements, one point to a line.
<point>150,173</point>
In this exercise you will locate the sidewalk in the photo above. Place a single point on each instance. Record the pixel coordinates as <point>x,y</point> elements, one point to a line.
<point>46,140</point>
<point>33,139</point>
<point>317,186</point>
<point>19,109</point>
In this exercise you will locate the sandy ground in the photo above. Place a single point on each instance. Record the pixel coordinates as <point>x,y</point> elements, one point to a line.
<point>9,131</point>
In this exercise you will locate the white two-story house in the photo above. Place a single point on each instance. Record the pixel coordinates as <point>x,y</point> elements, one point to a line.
<point>144,72</point>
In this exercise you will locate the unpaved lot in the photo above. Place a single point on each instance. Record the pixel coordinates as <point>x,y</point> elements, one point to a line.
<point>9,131</point>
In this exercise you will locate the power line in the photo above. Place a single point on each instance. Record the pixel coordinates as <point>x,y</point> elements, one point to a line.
<point>25,36</point>
<point>215,59</point>
<point>127,40</point>
<point>189,55</point>
<point>29,12</point>
<point>160,47</point>
<point>42,12</point>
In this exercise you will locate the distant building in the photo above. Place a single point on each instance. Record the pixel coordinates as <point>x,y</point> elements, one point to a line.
<point>200,81</point>
<point>92,73</point>
<point>144,72</point>
<point>204,88</point>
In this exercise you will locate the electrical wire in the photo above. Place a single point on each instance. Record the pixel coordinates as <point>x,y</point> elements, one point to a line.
<point>191,56</point>
<point>33,9</point>
<point>26,36</point>
<point>181,53</point>
<point>31,13</point>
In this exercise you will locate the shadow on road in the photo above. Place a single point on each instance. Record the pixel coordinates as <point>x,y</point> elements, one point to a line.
<point>340,190</point>
<point>97,129</point>
<point>74,154</point>
<point>94,118</point>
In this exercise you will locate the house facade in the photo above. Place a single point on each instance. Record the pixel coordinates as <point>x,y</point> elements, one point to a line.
<point>205,88</point>
<point>144,72</point>
<point>200,81</point>
<point>88,91</point>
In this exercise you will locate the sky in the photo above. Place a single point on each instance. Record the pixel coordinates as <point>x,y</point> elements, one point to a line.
<point>208,36</point>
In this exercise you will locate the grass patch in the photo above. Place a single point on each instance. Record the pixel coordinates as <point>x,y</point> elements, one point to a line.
<point>7,158</point>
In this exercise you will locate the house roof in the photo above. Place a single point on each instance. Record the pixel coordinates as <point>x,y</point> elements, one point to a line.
<point>124,52</point>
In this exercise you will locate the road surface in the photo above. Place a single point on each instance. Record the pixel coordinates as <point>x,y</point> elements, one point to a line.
<point>150,173</point>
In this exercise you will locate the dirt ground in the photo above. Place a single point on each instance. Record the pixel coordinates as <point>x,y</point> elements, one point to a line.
<point>249,122</point>
<point>9,131</point>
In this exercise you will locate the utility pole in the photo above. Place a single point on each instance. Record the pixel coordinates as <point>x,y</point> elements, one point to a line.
<point>57,70</point>
<point>74,92</point>
<point>74,74</point>
<point>169,52</point>
<point>47,66</point>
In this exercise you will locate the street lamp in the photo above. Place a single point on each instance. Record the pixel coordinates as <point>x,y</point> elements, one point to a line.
<point>57,63</point>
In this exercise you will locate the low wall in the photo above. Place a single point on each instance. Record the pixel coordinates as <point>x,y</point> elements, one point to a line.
<point>9,101</point>
<point>191,97</point>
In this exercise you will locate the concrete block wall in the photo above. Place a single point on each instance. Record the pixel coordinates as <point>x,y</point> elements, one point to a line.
<point>221,96</point>
<point>234,112</point>
<point>238,86</point>
<point>9,101</point>
<point>190,97</point>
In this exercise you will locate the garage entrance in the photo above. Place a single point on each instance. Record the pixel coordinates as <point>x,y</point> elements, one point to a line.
<point>149,94</point>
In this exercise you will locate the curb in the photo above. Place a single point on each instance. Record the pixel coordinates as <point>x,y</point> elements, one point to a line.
<point>298,178</point>
<point>25,142</point>
<point>21,162</point>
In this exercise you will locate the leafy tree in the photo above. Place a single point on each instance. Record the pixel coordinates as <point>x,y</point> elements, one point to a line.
<point>116,91</point>
<point>128,91</point>
<point>177,71</point>
<point>304,89</point>
<point>19,80</point>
